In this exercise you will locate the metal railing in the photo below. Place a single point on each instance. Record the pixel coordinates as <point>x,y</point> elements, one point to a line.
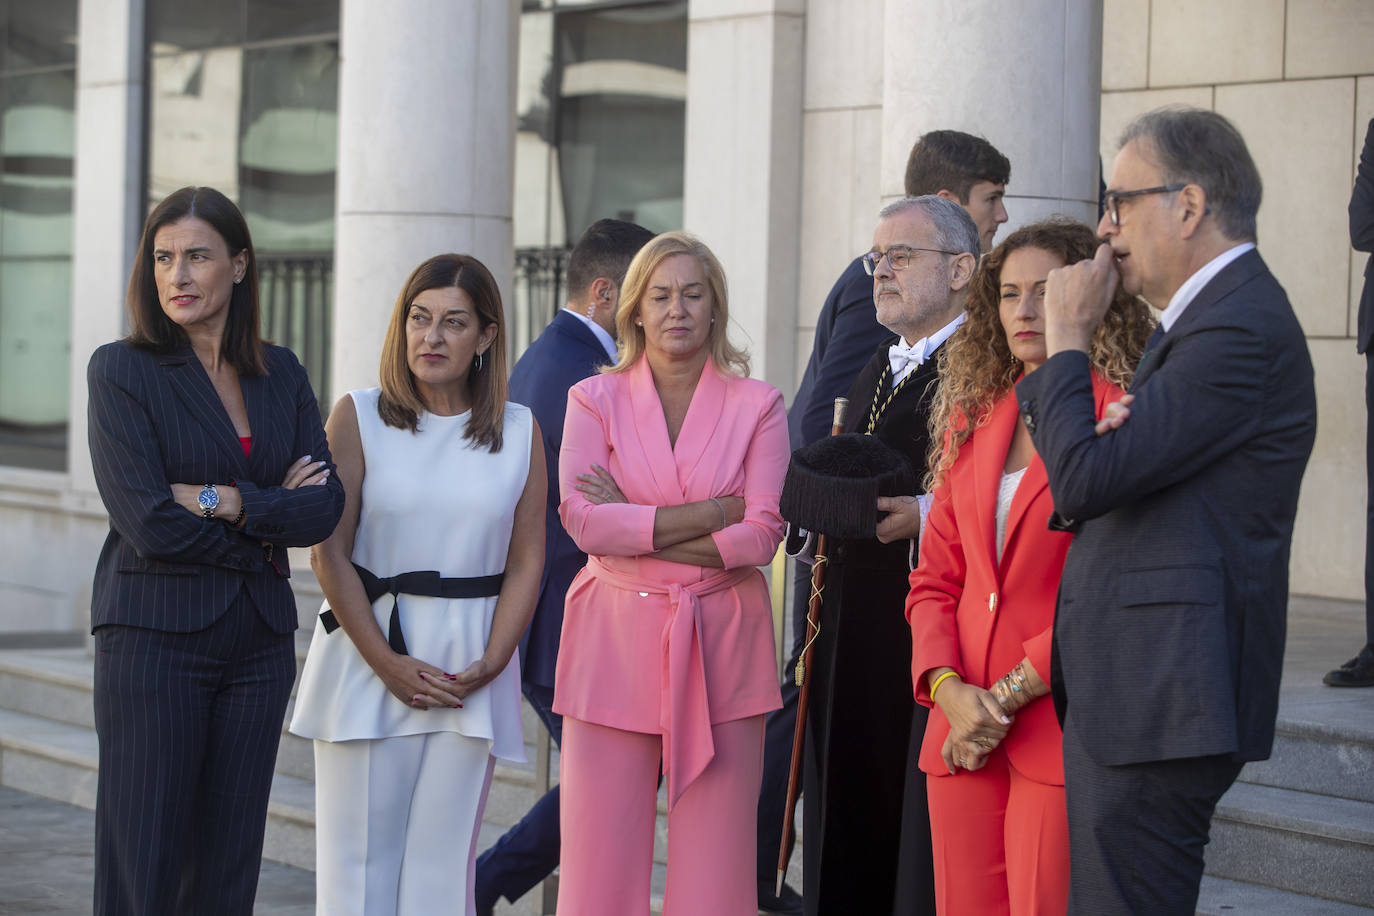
<point>296,293</point>
<point>537,294</point>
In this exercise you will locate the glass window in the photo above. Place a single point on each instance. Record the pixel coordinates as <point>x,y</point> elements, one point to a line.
<point>259,122</point>
<point>37,133</point>
<point>601,116</point>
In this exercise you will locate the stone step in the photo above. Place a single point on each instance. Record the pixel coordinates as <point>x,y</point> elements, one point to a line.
<point>1315,756</point>
<point>1293,841</point>
<point>48,747</point>
<point>1222,897</point>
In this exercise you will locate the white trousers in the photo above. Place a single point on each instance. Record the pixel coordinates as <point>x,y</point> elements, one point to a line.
<point>396,823</point>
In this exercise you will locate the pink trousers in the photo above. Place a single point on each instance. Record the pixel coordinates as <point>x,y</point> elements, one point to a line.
<point>1000,842</point>
<point>609,782</point>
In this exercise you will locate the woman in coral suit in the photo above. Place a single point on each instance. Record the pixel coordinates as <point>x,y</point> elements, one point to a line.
<point>982,598</point>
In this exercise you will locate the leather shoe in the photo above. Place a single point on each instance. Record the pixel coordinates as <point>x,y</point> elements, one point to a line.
<point>1358,672</point>
<point>788,903</point>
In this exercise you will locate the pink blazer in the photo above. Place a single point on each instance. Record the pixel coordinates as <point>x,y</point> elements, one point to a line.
<point>650,645</point>
<point>977,617</point>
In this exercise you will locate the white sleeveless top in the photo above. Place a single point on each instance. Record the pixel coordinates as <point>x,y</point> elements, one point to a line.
<point>431,500</point>
<point>1006,492</point>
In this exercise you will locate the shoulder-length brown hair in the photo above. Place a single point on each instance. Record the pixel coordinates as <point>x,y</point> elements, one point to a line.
<point>151,329</point>
<point>976,365</point>
<point>728,357</point>
<point>400,403</point>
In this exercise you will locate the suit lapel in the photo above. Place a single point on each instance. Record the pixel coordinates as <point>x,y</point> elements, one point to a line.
<point>579,334</point>
<point>989,457</point>
<point>1232,276</point>
<point>267,407</point>
<point>651,429</point>
<point>703,420</point>
<point>193,388</point>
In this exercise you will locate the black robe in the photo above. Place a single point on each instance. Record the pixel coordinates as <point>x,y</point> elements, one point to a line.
<point>862,712</point>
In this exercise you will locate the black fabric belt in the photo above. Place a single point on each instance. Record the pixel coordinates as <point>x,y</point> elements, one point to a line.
<point>426,583</point>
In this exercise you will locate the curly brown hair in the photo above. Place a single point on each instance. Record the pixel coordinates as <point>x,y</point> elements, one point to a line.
<point>976,365</point>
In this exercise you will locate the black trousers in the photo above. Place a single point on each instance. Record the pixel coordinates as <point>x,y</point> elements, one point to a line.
<point>1369,506</point>
<point>189,725</point>
<point>527,853</point>
<point>1137,832</point>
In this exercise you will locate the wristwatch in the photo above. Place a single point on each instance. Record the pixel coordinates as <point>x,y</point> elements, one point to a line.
<point>208,499</point>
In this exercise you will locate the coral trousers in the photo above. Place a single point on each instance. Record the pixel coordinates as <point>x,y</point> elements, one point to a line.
<point>1000,842</point>
<point>609,782</point>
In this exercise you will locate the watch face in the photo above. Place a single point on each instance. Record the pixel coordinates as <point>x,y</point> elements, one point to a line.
<point>208,498</point>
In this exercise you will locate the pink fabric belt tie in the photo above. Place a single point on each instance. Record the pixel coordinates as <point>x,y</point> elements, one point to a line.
<point>684,711</point>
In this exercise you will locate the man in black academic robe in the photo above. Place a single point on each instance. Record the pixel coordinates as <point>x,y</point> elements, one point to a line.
<point>925,250</point>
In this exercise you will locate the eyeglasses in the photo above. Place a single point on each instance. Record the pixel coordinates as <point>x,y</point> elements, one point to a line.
<point>1112,198</point>
<point>898,256</point>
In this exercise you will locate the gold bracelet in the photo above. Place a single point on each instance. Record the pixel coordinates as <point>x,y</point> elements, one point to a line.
<point>940,680</point>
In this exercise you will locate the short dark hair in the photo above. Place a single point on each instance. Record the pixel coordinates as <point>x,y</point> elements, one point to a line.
<point>151,329</point>
<point>951,160</point>
<point>1196,146</point>
<point>604,250</point>
<point>400,402</point>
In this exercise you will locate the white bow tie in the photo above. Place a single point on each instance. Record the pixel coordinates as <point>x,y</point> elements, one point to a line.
<point>899,355</point>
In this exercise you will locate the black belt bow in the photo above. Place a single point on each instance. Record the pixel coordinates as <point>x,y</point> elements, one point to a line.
<point>427,583</point>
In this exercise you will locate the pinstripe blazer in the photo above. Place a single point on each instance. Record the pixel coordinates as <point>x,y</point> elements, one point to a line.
<point>154,420</point>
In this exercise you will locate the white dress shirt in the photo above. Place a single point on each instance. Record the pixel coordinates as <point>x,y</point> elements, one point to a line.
<point>606,340</point>
<point>1200,278</point>
<point>903,357</point>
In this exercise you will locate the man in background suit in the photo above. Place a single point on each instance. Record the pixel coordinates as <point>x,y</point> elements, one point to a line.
<point>1169,632</point>
<point>1359,671</point>
<point>580,338</point>
<point>947,163</point>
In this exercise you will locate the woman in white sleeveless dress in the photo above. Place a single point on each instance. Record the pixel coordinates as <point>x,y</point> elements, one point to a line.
<point>432,575</point>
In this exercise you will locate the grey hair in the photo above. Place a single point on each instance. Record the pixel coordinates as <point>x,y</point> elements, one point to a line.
<point>1196,146</point>
<point>954,228</point>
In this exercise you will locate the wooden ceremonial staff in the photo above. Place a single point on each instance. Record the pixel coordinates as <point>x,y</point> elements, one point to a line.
<point>813,629</point>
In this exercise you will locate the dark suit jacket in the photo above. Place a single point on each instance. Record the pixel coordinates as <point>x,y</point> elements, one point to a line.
<point>155,420</point>
<point>1362,235</point>
<point>565,354</point>
<point>1169,633</point>
<point>847,331</point>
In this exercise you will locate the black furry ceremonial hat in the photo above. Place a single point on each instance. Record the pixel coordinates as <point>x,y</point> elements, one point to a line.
<point>832,486</point>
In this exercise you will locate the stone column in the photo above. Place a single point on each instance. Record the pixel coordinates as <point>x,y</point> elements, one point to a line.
<point>1027,78</point>
<point>106,207</point>
<point>743,164</point>
<point>426,153</point>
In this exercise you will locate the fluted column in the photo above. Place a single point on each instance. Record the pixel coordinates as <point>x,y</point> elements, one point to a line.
<point>426,156</point>
<point>743,164</point>
<point>107,212</point>
<point>1027,76</point>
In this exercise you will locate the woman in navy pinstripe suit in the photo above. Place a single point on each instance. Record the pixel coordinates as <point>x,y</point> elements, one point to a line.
<point>210,458</point>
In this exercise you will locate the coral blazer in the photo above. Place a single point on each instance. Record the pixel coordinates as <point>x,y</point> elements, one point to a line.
<point>980,618</point>
<point>650,645</point>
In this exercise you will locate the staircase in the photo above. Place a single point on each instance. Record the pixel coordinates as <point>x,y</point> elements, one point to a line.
<point>48,748</point>
<point>1295,834</point>
<point>1293,837</point>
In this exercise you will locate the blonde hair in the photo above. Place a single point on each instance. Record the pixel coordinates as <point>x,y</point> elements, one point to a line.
<point>400,403</point>
<point>727,357</point>
<point>976,365</point>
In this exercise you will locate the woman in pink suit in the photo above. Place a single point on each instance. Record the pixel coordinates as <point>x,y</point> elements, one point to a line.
<point>671,467</point>
<point>982,598</point>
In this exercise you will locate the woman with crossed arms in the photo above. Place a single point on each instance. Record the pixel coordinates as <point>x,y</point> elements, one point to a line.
<point>671,467</point>
<point>982,598</point>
